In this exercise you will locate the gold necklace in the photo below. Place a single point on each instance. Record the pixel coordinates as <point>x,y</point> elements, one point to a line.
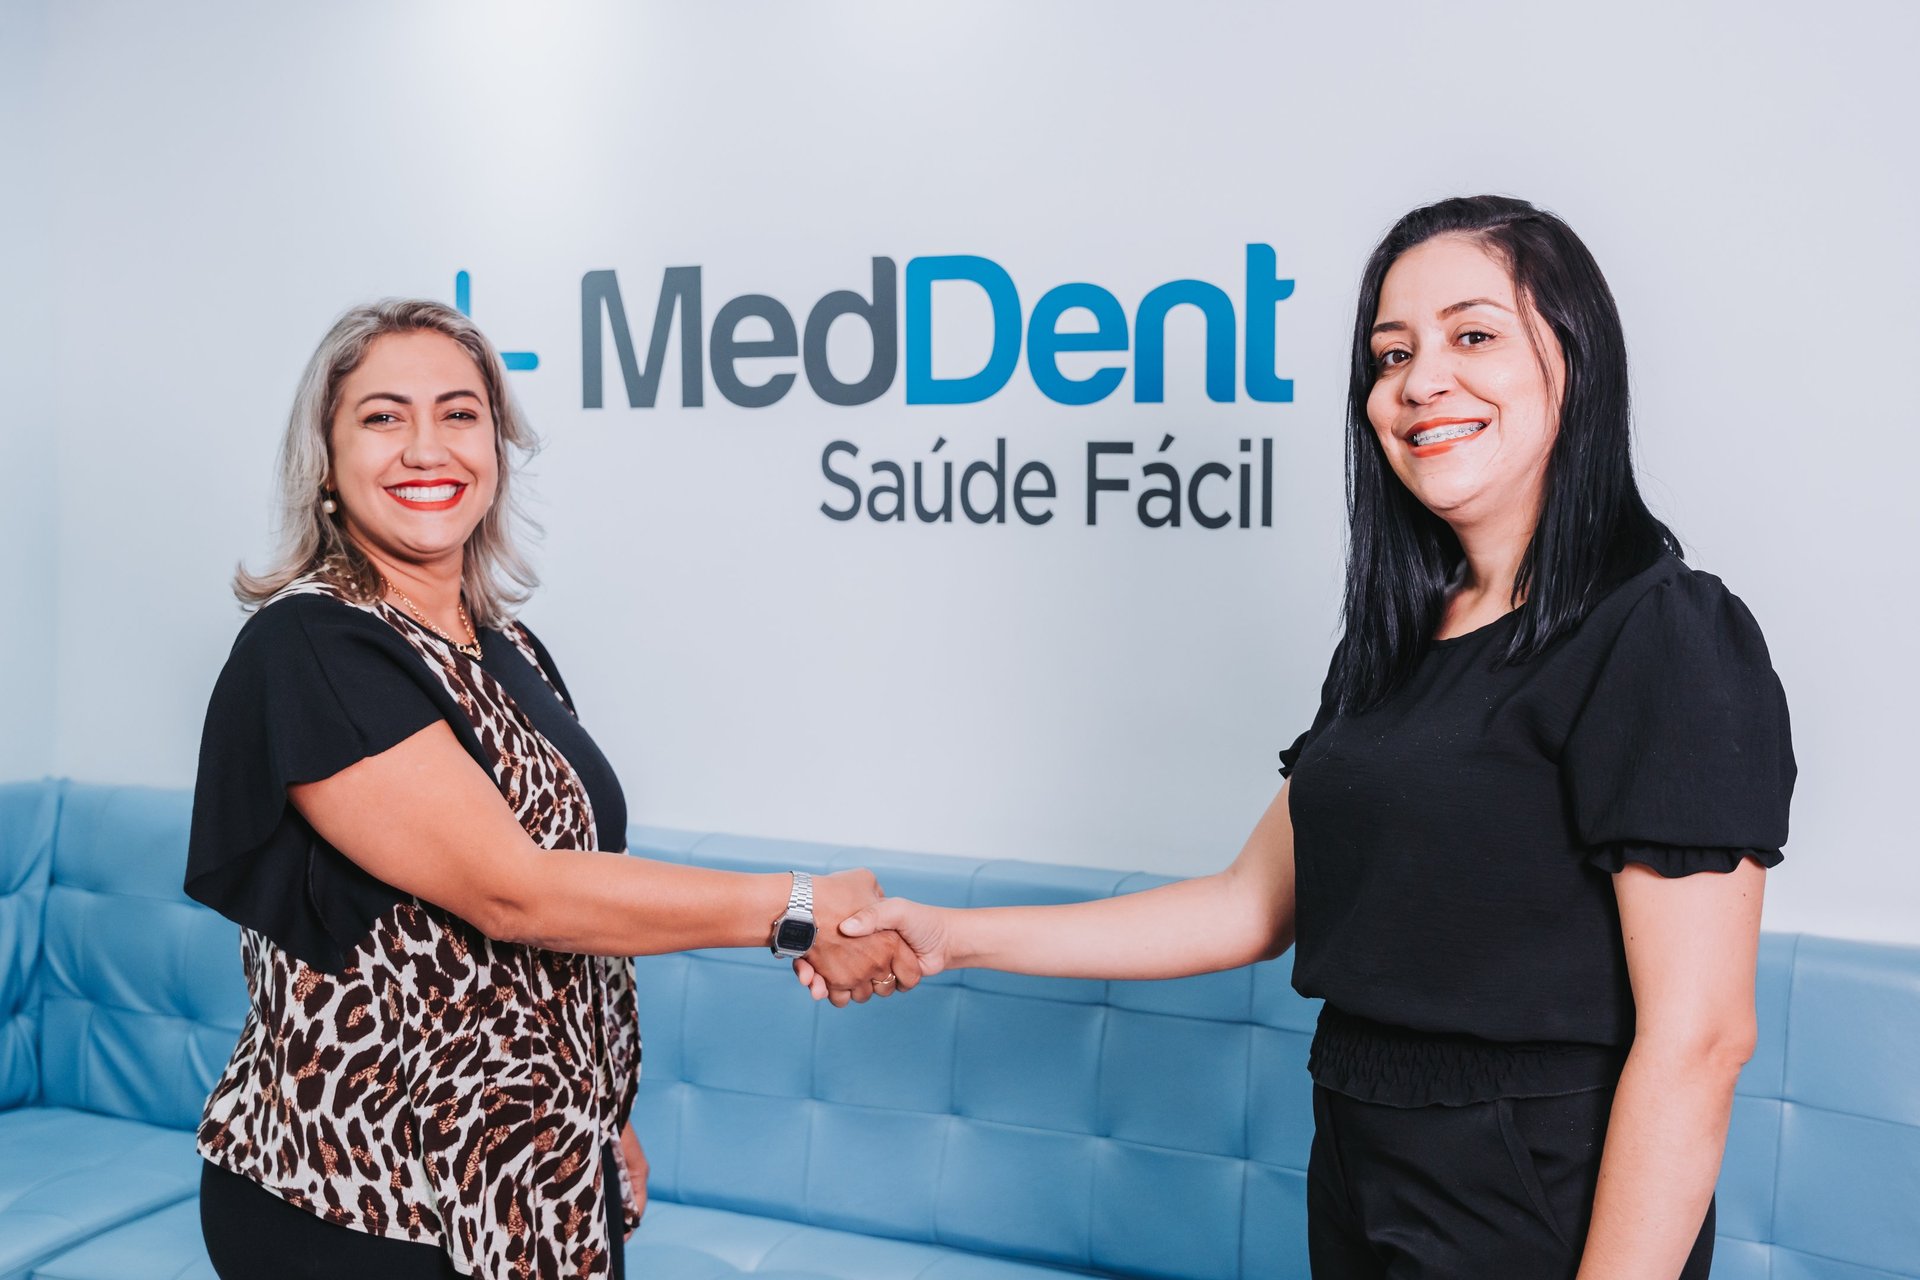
<point>471,649</point>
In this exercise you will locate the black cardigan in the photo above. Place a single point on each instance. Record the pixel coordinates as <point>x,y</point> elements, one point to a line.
<point>313,685</point>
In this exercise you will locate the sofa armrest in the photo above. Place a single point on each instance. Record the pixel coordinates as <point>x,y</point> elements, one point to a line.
<point>28,812</point>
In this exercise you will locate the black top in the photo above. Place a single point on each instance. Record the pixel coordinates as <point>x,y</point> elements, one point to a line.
<point>1453,845</point>
<point>313,685</point>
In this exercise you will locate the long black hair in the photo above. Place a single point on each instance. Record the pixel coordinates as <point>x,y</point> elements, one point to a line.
<point>1594,529</point>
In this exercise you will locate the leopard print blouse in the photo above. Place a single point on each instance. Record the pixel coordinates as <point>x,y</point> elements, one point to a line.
<point>443,1086</point>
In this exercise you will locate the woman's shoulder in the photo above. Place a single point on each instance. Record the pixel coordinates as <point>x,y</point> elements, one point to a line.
<point>1667,594</point>
<point>1683,736</point>
<point>313,618</point>
<point>316,658</point>
<point>1678,617</point>
<point>318,589</point>
<point>290,613</point>
<point>1692,600</point>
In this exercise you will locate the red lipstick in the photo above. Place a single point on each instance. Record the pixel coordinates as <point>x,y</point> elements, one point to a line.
<point>437,504</point>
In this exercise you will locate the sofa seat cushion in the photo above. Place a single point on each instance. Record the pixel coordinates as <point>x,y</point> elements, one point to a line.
<point>161,1246</point>
<point>675,1242</point>
<point>66,1176</point>
<point>691,1242</point>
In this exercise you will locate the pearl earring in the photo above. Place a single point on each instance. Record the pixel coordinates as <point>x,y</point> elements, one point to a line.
<point>328,505</point>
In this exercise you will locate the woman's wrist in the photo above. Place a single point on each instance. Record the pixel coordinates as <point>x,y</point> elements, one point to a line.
<point>766,897</point>
<point>959,932</point>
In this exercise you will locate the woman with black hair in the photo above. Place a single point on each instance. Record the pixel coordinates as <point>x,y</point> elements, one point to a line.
<point>1522,845</point>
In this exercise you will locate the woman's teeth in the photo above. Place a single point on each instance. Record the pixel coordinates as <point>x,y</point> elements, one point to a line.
<point>424,492</point>
<point>1439,435</point>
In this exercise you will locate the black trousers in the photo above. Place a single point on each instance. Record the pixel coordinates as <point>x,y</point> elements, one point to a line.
<point>1499,1190</point>
<point>252,1234</point>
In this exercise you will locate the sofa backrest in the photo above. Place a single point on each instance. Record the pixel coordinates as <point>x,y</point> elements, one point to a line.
<point>1822,1173</point>
<point>1142,1128</point>
<point>1162,1128</point>
<point>141,994</point>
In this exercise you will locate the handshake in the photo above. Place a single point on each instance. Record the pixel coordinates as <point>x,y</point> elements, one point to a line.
<point>866,944</point>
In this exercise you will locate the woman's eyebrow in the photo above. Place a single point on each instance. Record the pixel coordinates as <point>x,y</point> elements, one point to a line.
<point>1395,326</point>
<point>442,398</point>
<point>1476,302</point>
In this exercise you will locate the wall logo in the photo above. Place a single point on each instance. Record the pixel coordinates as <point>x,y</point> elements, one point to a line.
<point>1208,493</point>
<point>604,317</point>
<point>463,303</point>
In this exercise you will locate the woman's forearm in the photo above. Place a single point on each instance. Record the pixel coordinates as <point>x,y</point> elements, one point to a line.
<point>615,905</point>
<point>468,853</point>
<point>1191,926</point>
<point>1665,1140</point>
<point>1234,917</point>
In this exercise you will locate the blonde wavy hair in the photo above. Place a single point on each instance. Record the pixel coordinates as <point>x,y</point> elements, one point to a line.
<point>497,575</point>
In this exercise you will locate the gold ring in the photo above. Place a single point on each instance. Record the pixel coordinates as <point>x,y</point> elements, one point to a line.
<point>888,978</point>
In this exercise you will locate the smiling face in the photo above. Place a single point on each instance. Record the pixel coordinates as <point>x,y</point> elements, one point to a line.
<point>412,442</point>
<point>1461,404</point>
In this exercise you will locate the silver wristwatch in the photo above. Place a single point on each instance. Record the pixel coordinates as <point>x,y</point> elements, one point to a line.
<point>793,932</point>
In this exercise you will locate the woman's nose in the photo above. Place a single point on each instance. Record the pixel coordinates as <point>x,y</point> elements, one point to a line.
<point>426,447</point>
<point>1429,375</point>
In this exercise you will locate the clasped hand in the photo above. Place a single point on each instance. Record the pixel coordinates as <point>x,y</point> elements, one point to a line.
<point>866,944</point>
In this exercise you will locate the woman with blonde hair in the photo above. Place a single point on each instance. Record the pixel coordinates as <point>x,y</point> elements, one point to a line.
<point>398,803</point>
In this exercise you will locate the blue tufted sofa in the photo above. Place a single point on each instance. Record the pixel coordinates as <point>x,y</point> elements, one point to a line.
<point>986,1127</point>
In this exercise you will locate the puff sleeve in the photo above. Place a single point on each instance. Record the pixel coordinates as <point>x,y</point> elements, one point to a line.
<point>311,686</point>
<point>1290,756</point>
<point>1681,758</point>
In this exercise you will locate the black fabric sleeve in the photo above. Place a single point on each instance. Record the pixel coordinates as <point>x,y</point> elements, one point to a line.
<point>1290,756</point>
<point>312,685</point>
<point>1676,860</point>
<point>1682,758</point>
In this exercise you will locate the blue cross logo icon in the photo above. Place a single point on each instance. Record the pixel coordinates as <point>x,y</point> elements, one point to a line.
<point>463,302</point>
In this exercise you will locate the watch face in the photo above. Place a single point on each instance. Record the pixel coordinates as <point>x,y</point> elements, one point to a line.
<point>794,935</point>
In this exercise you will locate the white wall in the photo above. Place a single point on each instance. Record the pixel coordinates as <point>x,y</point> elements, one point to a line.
<point>28,418</point>
<point>226,178</point>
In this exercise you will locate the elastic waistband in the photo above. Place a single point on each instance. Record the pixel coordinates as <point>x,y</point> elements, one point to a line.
<point>1402,1067</point>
